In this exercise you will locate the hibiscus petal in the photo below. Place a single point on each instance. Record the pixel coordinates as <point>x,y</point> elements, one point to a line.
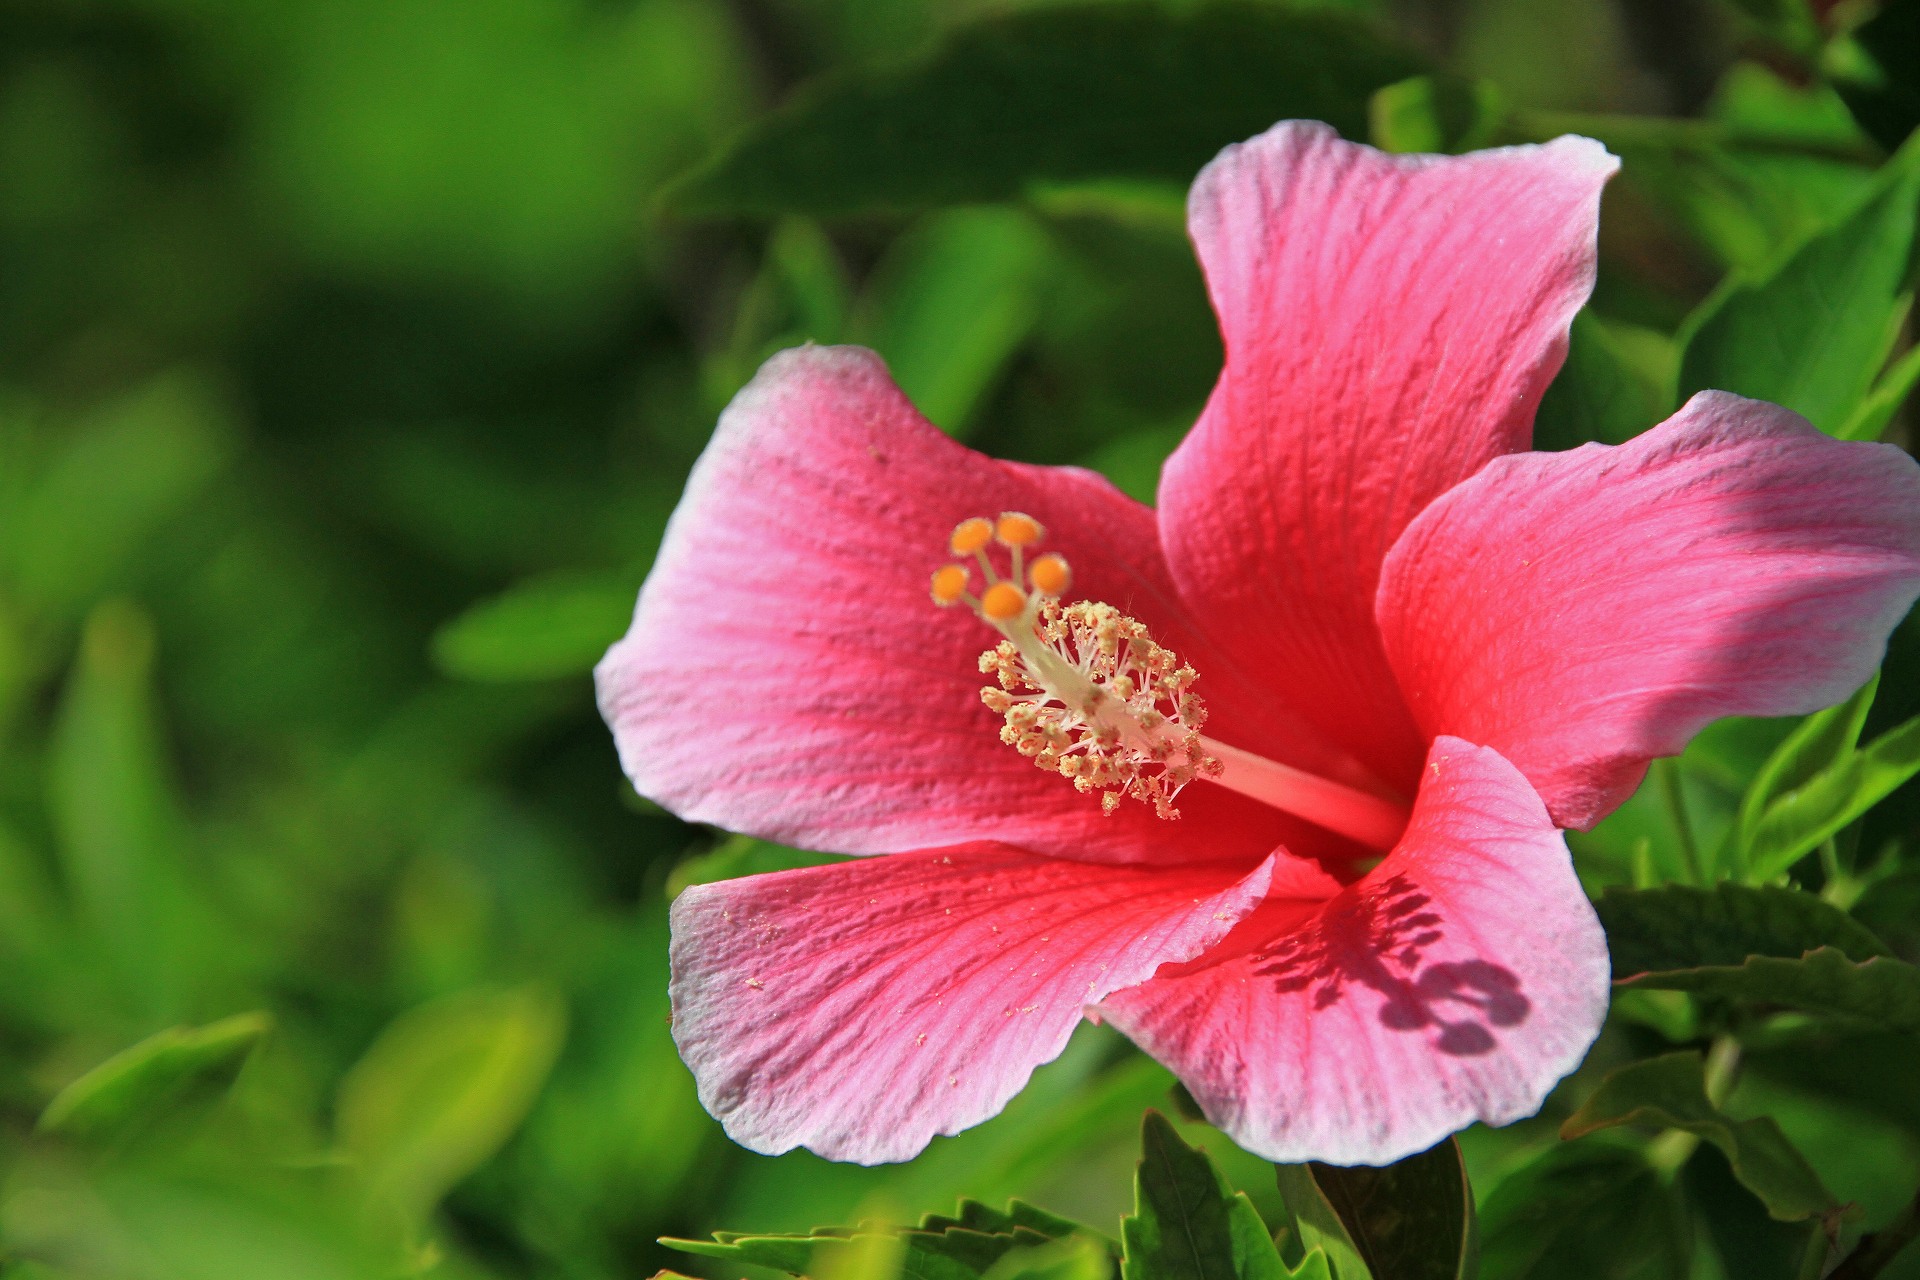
<point>787,675</point>
<point>860,1009</point>
<point>1583,612</point>
<point>1390,325</point>
<point>1456,982</point>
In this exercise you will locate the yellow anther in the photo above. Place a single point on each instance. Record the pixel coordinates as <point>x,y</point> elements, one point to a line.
<point>1050,575</point>
<point>1003,602</point>
<point>970,536</point>
<point>1018,530</point>
<point>949,583</point>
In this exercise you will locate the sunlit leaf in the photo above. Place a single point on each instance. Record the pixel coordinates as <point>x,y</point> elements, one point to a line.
<point>1579,1210</point>
<point>1607,390</point>
<point>1314,1230</point>
<point>1410,1220</point>
<point>977,1241</point>
<point>444,1086</point>
<point>1049,94</point>
<point>1678,927</point>
<point>1814,332</point>
<point>1670,1092</point>
<point>1796,823</point>
<point>538,630</point>
<point>1820,742</point>
<point>1187,1223</point>
<point>1435,114</point>
<point>127,1090</point>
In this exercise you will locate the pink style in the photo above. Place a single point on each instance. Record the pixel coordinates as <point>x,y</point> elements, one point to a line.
<point>1308,732</point>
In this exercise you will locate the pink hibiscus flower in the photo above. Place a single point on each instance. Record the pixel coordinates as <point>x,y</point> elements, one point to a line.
<point>1307,733</point>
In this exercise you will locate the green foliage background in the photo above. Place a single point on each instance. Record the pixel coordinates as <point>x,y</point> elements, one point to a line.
<point>352,354</point>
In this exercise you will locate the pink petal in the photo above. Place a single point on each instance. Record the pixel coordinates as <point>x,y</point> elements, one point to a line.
<point>787,675</point>
<point>1456,982</point>
<point>1390,325</point>
<point>862,1008</point>
<point>1583,612</point>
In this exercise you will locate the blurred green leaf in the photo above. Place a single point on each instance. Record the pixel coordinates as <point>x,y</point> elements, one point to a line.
<point>1881,993</point>
<point>95,504</point>
<point>1813,333</point>
<point>1670,1092</point>
<point>1314,1234</point>
<point>442,1088</point>
<point>1187,1223</point>
<point>1881,80</point>
<point>1677,927</point>
<point>1801,819</point>
<point>542,629</point>
<point>1870,420</point>
<point>1410,1220</point>
<point>1435,114</point>
<point>1583,1210</point>
<point>976,1242</point>
<point>1608,390</point>
<point>1050,94</point>
<point>1821,741</point>
<point>952,303</point>
<point>124,1092</point>
<point>742,856</point>
<point>118,819</point>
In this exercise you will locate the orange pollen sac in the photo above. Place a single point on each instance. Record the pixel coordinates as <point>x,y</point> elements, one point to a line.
<point>1049,575</point>
<point>1003,602</point>
<point>1015,529</point>
<point>972,535</point>
<point>950,584</point>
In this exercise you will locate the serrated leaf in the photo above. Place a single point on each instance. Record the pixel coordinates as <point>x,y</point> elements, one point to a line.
<point>537,630</point>
<point>1799,821</point>
<point>1882,992</point>
<point>1583,1209</point>
<point>1677,927</point>
<point>1045,95</point>
<point>442,1088</point>
<point>1670,1092</point>
<point>977,1241</point>
<point>1187,1223</point>
<point>127,1090</point>
<point>1813,333</point>
<point>1412,1219</point>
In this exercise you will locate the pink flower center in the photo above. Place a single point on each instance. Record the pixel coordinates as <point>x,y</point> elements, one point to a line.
<point>1087,693</point>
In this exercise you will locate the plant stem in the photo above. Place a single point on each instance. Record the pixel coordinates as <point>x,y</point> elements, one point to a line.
<point>1878,1248</point>
<point>1667,774</point>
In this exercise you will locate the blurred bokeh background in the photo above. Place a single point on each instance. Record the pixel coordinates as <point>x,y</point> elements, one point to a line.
<point>352,355</point>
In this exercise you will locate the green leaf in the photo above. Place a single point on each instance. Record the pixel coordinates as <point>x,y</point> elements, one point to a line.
<point>125,1092</point>
<point>96,504</point>
<point>976,1242</point>
<point>1870,419</point>
<point>1800,820</point>
<point>1670,1092</point>
<point>1187,1223</point>
<point>1881,83</point>
<point>1314,1229</point>
<point>1813,333</point>
<point>541,629</point>
<point>1613,386</point>
<point>1677,927</point>
<point>1435,114</point>
<point>1129,89</point>
<point>1882,992</point>
<point>1411,1220</point>
<point>442,1088</point>
<point>1817,743</point>
<point>1583,1209</point>
<point>953,301</point>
